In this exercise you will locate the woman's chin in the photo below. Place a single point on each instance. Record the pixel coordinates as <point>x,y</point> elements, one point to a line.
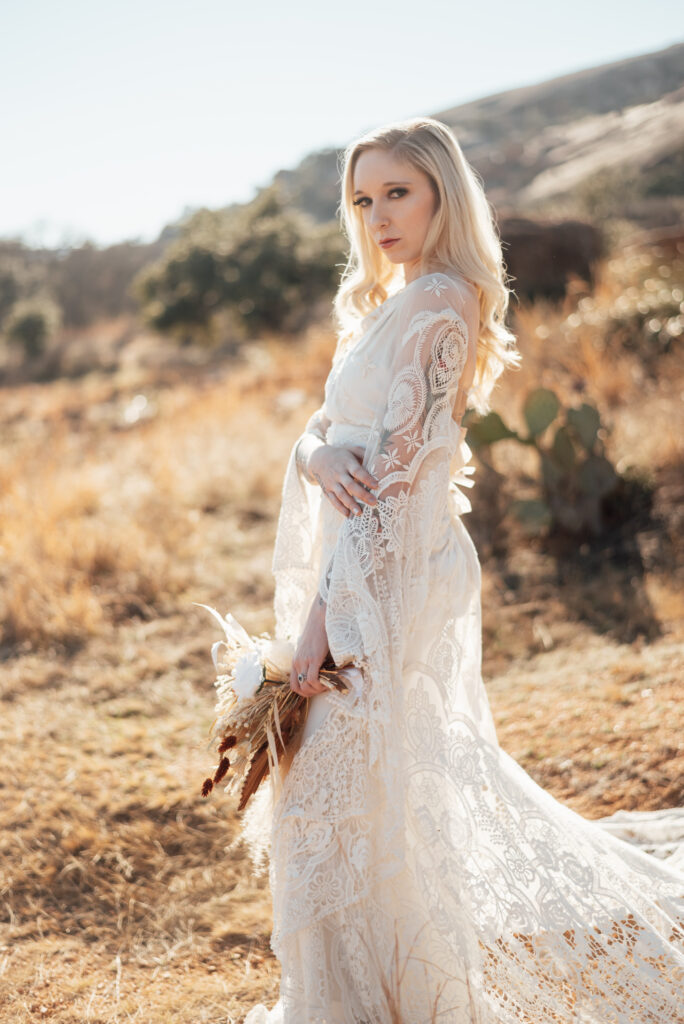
<point>393,255</point>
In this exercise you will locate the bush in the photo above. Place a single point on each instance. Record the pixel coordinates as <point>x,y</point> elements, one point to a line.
<point>31,323</point>
<point>264,264</point>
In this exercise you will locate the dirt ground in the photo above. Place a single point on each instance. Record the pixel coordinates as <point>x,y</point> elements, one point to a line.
<point>127,496</point>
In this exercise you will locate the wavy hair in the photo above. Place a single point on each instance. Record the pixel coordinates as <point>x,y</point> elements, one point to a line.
<point>462,239</point>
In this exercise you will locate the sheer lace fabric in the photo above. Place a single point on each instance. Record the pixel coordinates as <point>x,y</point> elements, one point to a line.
<point>417,872</point>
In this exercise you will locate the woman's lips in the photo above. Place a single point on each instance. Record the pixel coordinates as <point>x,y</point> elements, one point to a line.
<point>390,241</point>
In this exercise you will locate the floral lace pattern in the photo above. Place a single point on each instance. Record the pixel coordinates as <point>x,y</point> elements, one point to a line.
<point>418,873</point>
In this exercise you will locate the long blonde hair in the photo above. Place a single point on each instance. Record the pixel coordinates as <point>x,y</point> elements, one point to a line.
<point>462,239</point>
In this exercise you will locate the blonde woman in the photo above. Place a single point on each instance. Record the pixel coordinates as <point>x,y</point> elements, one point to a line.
<point>417,872</point>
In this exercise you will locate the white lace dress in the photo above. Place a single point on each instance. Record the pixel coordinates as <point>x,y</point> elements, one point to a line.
<point>417,872</point>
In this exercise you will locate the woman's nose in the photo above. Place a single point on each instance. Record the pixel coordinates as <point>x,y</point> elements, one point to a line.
<point>378,216</point>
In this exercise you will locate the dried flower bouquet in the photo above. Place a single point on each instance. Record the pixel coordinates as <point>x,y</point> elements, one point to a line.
<point>257,714</point>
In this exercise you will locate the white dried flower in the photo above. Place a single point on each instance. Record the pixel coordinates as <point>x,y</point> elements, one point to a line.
<point>249,674</point>
<point>277,655</point>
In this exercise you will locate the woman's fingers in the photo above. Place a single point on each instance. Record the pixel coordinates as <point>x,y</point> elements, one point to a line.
<point>311,689</point>
<point>359,491</point>
<point>310,685</point>
<point>361,473</point>
<point>336,503</point>
<point>295,684</point>
<point>314,688</point>
<point>352,489</point>
<point>352,482</point>
<point>345,498</point>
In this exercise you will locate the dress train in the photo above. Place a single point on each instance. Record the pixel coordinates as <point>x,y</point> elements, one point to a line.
<point>418,873</point>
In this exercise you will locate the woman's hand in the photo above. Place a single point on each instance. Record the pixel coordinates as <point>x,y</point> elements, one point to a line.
<point>339,471</point>
<point>312,650</point>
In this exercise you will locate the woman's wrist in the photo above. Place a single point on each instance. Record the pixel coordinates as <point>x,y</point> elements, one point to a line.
<point>306,446</point>
<point>317,609</point>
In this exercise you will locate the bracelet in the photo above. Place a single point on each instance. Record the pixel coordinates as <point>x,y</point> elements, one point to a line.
<point>299,459</point>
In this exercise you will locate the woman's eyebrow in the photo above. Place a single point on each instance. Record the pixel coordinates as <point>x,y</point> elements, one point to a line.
<point>385,185</point>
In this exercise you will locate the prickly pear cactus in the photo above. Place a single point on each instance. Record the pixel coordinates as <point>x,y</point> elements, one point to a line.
<point>575,475</point>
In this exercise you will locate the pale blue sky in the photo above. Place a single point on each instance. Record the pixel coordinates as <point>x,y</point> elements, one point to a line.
<point>117,116</point>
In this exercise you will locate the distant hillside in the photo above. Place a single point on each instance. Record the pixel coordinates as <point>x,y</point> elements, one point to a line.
<point>537,146</point>
<point>594,154</point>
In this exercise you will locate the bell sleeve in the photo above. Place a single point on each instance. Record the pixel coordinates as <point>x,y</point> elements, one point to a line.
<point>294,563</point>
<point>377,580</point>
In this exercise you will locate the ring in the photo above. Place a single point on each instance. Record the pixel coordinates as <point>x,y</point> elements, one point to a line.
<point>300,678</point>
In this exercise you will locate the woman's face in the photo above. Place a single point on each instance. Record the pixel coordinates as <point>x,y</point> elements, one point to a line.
<point>397,202</point>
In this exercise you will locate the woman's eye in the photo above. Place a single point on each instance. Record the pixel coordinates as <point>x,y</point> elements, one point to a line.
<point>362,199</point>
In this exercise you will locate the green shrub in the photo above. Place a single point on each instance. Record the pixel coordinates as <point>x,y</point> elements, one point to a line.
<point>265,264</point>
<point>30,324</point>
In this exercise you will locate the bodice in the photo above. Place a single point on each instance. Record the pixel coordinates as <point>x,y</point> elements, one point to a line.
<point>358,382</point>
<point>356,393</point>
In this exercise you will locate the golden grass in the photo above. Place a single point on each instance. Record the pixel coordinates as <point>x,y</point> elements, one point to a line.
<point>121,897</point>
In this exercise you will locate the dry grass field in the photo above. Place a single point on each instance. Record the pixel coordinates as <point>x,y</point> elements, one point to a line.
<point>126,496</point>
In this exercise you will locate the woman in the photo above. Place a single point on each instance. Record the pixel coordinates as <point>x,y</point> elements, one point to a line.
<point>418,873</point>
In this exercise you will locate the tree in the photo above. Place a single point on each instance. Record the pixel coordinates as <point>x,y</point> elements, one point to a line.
<point>265,264</point>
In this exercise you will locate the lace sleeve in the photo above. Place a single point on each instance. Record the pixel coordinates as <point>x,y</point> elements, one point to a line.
<point>377,579</point>
<point>295,563</point>
<point>316,426</point>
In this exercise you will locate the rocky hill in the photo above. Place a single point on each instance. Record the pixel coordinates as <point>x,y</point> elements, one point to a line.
<point>559,144</point>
